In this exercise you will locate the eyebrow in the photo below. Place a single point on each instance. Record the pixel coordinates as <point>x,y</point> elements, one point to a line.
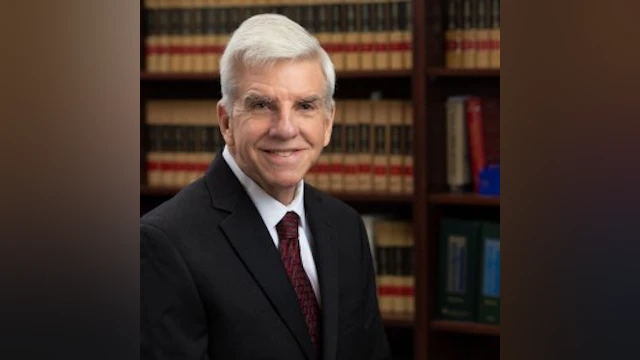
<point>311,99</point>
<point>255,97</point>
<point>252,98</point>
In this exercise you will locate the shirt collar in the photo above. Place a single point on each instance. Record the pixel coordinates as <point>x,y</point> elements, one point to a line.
<point>270,209</point>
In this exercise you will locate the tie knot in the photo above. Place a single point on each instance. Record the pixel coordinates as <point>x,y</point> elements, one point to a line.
<point>287,228</point>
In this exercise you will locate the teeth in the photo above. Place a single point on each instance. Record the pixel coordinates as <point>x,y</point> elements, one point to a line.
<point>282,153</point>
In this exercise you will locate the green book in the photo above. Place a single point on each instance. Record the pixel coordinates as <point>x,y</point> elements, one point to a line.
<point>489,296</point>
<point>457,288</point>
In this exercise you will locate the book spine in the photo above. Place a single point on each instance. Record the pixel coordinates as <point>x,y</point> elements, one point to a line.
<point>352,38</point>
<point>336,172</point>
<point>381,154</point>
<point>365,171</point>
<point>351,183</point>
<point>396,151</point>
<point>458,174</point>
<point>407,122</point>
<point>453,35</point>
<point>469,35</point>
<point>475,130</point>
<point>483,43</point>
<point>367,38</point>
<point>381,37</point>
<point>458,259</point>
<point>494,35</point>
<point>489,297</point>
<point>395,37</point>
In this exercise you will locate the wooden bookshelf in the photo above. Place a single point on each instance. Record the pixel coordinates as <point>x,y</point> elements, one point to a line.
<point>397,320</point>
<point>463,327</point>
<point>464,199</point>
<point>446,72</point>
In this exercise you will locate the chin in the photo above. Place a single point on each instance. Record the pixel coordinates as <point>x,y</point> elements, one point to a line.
<point>286,181</point>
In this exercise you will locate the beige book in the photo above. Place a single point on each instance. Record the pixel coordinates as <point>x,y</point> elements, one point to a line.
<point>385,281</point>
<point>453,35</point>
<point>199,38</point>
<point>407,38</point>
<point>396,144</point>
<point>152,41</point>
<point>338,36</point>
<point>336,156</point>
<point>483,44</point>
<point>396,37</point>
<point>351,156</point>
<point>352,39</point>
<point>365,150</point>
<point>164,40</point>
<point>381,147</point>
<point>398,278</point>
<point>469,36</point>
<point>494,35</point>
<point>367,37</point>
<point>407,162</point>
<point>154,150</point>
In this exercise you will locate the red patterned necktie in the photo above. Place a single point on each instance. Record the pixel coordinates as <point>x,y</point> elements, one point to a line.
<point>289,249</point>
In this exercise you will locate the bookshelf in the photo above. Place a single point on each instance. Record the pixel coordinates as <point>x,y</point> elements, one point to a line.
<point>472,73</point>
<point>427,85</point>
<point>436,337</point>
<point>464,199</point>
<point>461,327</point>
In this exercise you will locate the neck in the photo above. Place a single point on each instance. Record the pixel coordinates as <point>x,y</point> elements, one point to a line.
<point>283,196</point>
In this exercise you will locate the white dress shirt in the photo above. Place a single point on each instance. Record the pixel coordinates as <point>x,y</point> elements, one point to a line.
<point>272,211</point>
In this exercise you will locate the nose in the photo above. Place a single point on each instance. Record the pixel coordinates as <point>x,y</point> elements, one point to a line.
<point>284,125</point>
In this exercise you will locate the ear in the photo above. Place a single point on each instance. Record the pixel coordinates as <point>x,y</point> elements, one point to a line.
<point>225,124</point>
<point>329,124</point>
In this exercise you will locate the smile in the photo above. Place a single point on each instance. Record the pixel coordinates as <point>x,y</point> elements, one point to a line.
<point>282,153</point>
<point>284,157</point>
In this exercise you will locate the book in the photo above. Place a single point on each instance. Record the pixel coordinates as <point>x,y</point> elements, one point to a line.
<point>457,285</point>
<point>489,296</point>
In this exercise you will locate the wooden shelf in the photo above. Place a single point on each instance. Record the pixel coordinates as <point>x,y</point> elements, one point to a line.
<point>445,72</point>
<point>464,199</point>
<point>397,320</point>
<point>179,76</point>
<point>348,197</point>
<point>462,327</point>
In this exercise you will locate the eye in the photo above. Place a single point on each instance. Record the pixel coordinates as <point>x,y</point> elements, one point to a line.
<point>260,104</point>
<point>305,105</point>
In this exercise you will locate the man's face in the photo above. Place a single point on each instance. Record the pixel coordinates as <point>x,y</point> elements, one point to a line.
<point>279,124</point>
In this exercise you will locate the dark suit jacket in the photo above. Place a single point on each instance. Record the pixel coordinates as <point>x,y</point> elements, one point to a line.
<point>212,285</point>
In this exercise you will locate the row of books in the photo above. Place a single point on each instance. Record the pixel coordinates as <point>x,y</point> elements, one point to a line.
<point>472,140</point>
<point>370,148</point>
<point>472,35</point>
<point>392,244</point>
<point>190,35</point>
<point>469,276</point>
<point>182,139</point>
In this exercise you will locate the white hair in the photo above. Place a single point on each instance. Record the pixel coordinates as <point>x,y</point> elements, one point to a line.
<point>262,40</point>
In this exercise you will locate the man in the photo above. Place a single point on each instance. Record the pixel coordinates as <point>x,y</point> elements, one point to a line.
<point>249,262</point>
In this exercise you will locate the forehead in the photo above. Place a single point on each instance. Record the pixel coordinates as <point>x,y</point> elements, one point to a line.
<point>283,78</point>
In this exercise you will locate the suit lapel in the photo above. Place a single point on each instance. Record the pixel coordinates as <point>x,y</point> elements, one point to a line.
<point>249,237</point>
<point>326,259</point>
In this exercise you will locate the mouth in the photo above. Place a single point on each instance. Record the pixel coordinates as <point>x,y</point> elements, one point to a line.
<point>282,153</point>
